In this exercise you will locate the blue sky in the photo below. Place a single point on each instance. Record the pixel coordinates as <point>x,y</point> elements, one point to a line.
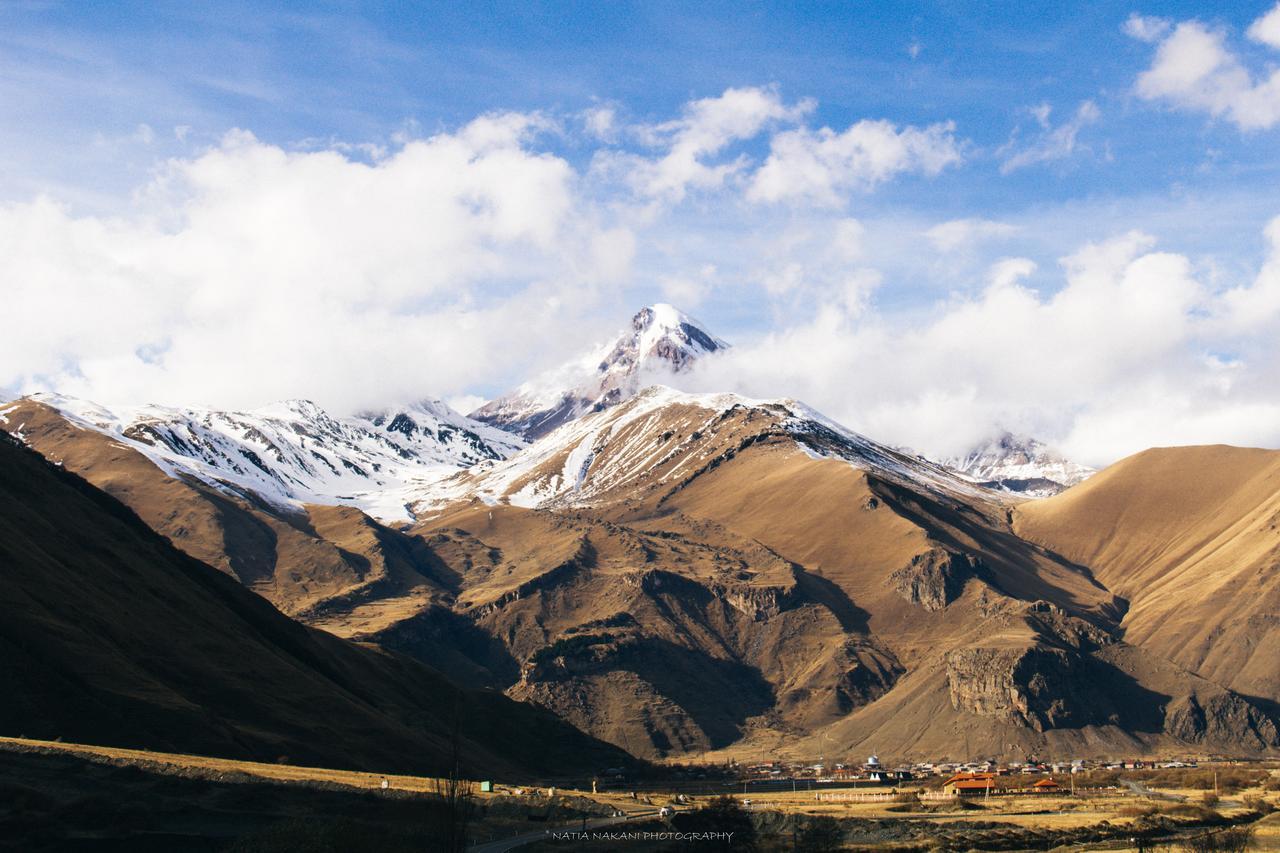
<point>150,132</point>
<point>359,72</point>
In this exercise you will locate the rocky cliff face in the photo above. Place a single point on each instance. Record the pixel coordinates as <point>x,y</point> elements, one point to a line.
<point>1038,687</point>
<point>935,578</point>
<point>1221,717</point>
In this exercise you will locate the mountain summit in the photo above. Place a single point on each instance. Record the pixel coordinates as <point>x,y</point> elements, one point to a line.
<point>1019,464</point>
<point>661,341</point>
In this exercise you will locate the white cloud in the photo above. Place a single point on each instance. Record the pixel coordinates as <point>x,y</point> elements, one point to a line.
<point>355,275</point>
<point>816,260</point>
<point>822,166</point>
<point>252,273</point>
<point>465,403</point>
<point>1256,306</point>
<point>847,239</point>
<point>601,123</point>
<point>708,126</point>
<point>1053,143</point>
<point>1266,30</point>
<point>1116,358</point>
<point>964,233</point>
<point>1193,69</point>
<point>688,291</point>
<point>461,261</point>
<point>1009,273</point>
<point>1145,28</point>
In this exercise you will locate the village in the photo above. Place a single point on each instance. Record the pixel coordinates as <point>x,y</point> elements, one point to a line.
<point>954,779</point>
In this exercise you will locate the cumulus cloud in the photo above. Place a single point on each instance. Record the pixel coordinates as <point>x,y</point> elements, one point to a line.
<point>1266,30</point>
<point>253,273</point>
<point>1255,306</point>
<point>822,166</point>
<point>1195,70</point>
<point>706,128</point>
<point>601,122</point>
<point>1118,357</point>
<point>460,261</point>
<point>958,234</point>
<point>435,265</point>
<point>1050,143</point>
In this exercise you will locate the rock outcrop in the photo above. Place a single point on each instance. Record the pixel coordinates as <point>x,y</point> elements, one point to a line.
<point>1036,686</point>
<point>1222,718</point>
<point>935,578</point>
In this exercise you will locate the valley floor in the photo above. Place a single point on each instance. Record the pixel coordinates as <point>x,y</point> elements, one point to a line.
<point>58,796</point>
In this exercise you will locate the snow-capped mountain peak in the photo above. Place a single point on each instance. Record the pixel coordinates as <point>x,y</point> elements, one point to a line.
<point>661,341</point>
<point>1021,464</point>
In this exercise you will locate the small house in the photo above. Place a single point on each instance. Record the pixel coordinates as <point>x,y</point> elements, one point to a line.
<point>970,784</point>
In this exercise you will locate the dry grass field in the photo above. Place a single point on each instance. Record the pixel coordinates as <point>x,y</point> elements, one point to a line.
<point>220,804</point>
<point>59,796</point>
<point>175,763</point>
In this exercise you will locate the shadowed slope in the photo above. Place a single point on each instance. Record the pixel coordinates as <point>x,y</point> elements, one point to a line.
<point>110,635</point>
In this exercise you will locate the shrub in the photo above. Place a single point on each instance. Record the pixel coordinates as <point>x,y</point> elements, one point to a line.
<point>820,835</point>
<point>1136,810</point>
<point>1233,840</point>
<point>1259,805</point>
<point>722,814</point>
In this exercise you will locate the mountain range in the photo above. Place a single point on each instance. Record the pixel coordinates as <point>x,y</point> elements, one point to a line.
<point>678,573</point>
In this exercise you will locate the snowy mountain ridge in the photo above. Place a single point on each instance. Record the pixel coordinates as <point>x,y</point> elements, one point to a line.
<point>661,341</point>
<point>662,435</point>
<point>293,452</point>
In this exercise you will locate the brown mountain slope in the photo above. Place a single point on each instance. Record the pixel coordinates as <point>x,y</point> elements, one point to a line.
<point>1191,537</point>
<point>110,635</point>
<point>699,573</point>
<point>332,565</point>
<point>683,573</point>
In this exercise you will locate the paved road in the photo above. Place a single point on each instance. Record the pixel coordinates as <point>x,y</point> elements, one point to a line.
<point>1142,790</point>
<point>504,844</point>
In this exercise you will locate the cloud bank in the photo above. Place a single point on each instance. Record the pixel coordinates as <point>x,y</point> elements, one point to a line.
<point>451,264</point>
<point>357,275</point>
<point>1135,348</point>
